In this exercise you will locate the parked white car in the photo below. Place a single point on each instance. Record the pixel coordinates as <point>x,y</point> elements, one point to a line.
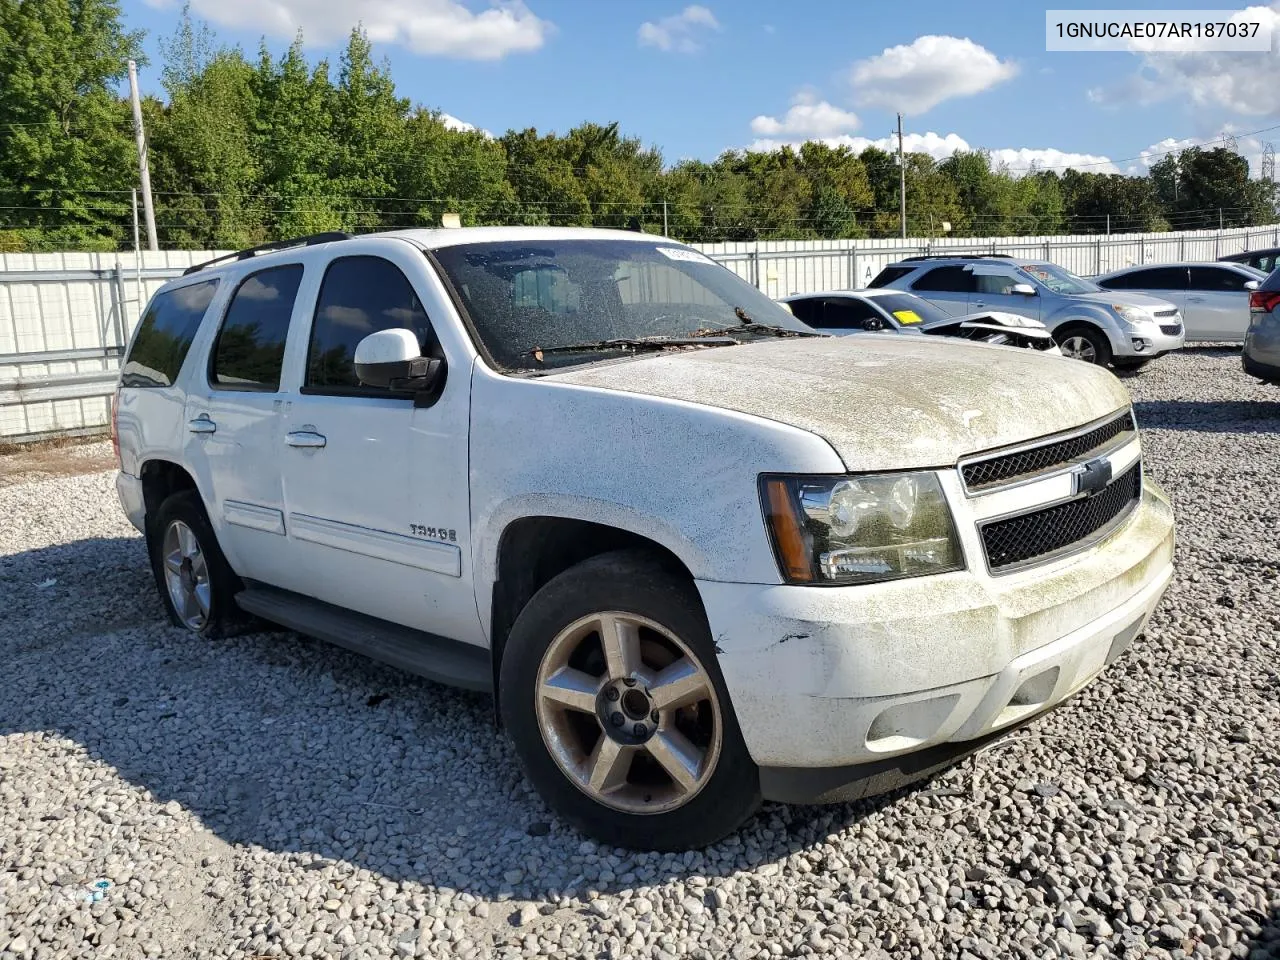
<point>700,554</point>
<point>1212,297</point>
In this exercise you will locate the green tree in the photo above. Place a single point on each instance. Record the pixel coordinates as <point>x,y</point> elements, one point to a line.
<point>1214,189</point>
<point>66,149</point>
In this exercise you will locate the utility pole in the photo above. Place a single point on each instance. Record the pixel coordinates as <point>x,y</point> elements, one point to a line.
<point>144,170</point>
<point>902,183</point>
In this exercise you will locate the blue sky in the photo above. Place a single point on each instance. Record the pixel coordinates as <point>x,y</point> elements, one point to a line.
<point>699,79</point>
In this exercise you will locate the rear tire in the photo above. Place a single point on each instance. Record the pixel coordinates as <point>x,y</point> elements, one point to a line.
<point>632,740</point>
<point>197,586</point>
<point>1085,343</point>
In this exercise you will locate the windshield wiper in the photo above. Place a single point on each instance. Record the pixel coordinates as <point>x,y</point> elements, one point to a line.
<point>747,325</point>
<point>635,343</point>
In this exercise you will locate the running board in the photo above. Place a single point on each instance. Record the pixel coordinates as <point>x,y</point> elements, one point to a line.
<point>436,658</point>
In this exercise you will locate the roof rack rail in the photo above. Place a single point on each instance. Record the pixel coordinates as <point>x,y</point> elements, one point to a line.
<point>308,241</point>
<point>959,256</point>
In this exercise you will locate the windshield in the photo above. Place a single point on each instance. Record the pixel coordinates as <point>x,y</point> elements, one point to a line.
<point>909,309</point>
<point>524,298</point>
<point>1057,279</point>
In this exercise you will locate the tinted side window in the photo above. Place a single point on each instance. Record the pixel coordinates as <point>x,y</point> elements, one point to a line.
<point>807,311</point>
<point>1217,280</point>
<point>359,296</point>
<point>888,275</point>
<point>995,284</point>
<point>844,314</point>
<point>165,335</point>
<point>249,351</point>
<point>1159,278</point>
<point>946,280</point>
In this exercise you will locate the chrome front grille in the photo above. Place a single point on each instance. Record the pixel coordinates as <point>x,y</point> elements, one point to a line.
<point>988,472</point>
<point>1041,535</point>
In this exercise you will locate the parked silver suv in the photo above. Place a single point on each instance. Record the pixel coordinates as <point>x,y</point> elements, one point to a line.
<point>1100,326</point>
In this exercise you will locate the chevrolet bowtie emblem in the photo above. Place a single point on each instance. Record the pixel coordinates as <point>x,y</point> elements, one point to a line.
<point>1092,477</point>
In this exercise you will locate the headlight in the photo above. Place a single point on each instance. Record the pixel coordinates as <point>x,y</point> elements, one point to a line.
<point>860,529</point>
<point>1132,314</point>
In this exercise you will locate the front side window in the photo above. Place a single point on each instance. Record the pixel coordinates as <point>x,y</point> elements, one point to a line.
<point>359,296</point>
<point>994,284</point>
<point>525,299</point>
<point>910,310</point>
<point>1057,279</point>
<point>844,313</point>
<point>249,351</point>
<point>165,334</point>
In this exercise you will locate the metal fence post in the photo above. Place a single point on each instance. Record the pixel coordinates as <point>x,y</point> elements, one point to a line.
<point>117,285</point>
<point>853,266</point>
<point>755,265</point>
<point>1142,249</point>
<point>1182,246</point>
<point>1097,255</point>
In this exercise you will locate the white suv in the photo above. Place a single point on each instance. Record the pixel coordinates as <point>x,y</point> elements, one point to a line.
<point>700,554</point>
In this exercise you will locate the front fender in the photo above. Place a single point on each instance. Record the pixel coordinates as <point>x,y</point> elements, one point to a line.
<point>1094,316</point>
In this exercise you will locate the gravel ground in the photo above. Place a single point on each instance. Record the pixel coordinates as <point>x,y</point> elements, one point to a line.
<point>271,796</point>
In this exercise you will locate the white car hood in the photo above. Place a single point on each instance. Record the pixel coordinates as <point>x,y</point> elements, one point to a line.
<point>883,402</point>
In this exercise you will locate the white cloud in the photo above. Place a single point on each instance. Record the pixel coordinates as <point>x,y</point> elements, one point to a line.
<point>1247,84</point>
<point>918,76</point>
<point>444,28</point>
<point>680,32</point>
<point>453,123</point>
<point>940,146</point>
<point>807,117</point>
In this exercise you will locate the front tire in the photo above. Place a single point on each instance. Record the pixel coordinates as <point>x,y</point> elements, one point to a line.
<point>197,585</point>
<point>612,694</point>
<point>1084,343</point>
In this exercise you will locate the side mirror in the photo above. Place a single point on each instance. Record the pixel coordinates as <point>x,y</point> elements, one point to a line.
<point>1251,284</point>
<point>1025,289</point>
<point>393,359</point>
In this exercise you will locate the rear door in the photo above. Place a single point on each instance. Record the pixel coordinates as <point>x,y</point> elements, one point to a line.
<point>234,410</point>
<point>1217,304</point>
<point>947,287</point>
<point>993,288</point>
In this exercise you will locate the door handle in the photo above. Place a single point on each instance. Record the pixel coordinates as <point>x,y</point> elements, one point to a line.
<point>202,424</point>
<point>1195,299</point>
<point>980,303</point>
<point>307,439</point>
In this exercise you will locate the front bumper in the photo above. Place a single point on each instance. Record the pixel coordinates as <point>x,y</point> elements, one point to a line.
<point>1144,340</point>
<point>843,677</point>
<point>129,489</point>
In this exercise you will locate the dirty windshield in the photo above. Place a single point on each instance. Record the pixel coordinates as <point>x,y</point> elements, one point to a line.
<point>529,300</point>
<point>1057,279</point>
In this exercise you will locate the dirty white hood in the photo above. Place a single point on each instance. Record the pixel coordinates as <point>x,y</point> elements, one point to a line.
<point>883,402</point>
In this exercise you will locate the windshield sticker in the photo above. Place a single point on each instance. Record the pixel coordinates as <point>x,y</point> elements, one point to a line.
<point>907,316</point>
<point>678,253</point>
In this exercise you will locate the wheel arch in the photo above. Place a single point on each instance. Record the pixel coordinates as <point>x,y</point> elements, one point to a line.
<point>160,480</point>
<point>534,549</point>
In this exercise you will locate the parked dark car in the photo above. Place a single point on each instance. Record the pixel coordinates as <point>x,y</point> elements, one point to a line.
<point>1265,260</point>
<point>1262,340</point>
<point>841,312</point>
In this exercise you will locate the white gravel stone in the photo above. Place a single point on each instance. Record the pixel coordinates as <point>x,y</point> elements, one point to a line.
<point>242,798</point>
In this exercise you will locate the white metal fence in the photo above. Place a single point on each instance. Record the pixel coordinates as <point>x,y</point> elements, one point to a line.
<point>64,318</point>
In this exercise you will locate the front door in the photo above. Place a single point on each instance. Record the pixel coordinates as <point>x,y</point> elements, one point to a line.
<point>375,486</point>
<point>993,290</point>
<point>233,420</point>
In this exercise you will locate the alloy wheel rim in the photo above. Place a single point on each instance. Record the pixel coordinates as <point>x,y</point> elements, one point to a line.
<point>628,713</point>
<point>186,575</point>
<point>1078,348</point>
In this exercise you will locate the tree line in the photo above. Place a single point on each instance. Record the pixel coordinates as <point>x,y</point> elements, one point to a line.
<point>247,149</point>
